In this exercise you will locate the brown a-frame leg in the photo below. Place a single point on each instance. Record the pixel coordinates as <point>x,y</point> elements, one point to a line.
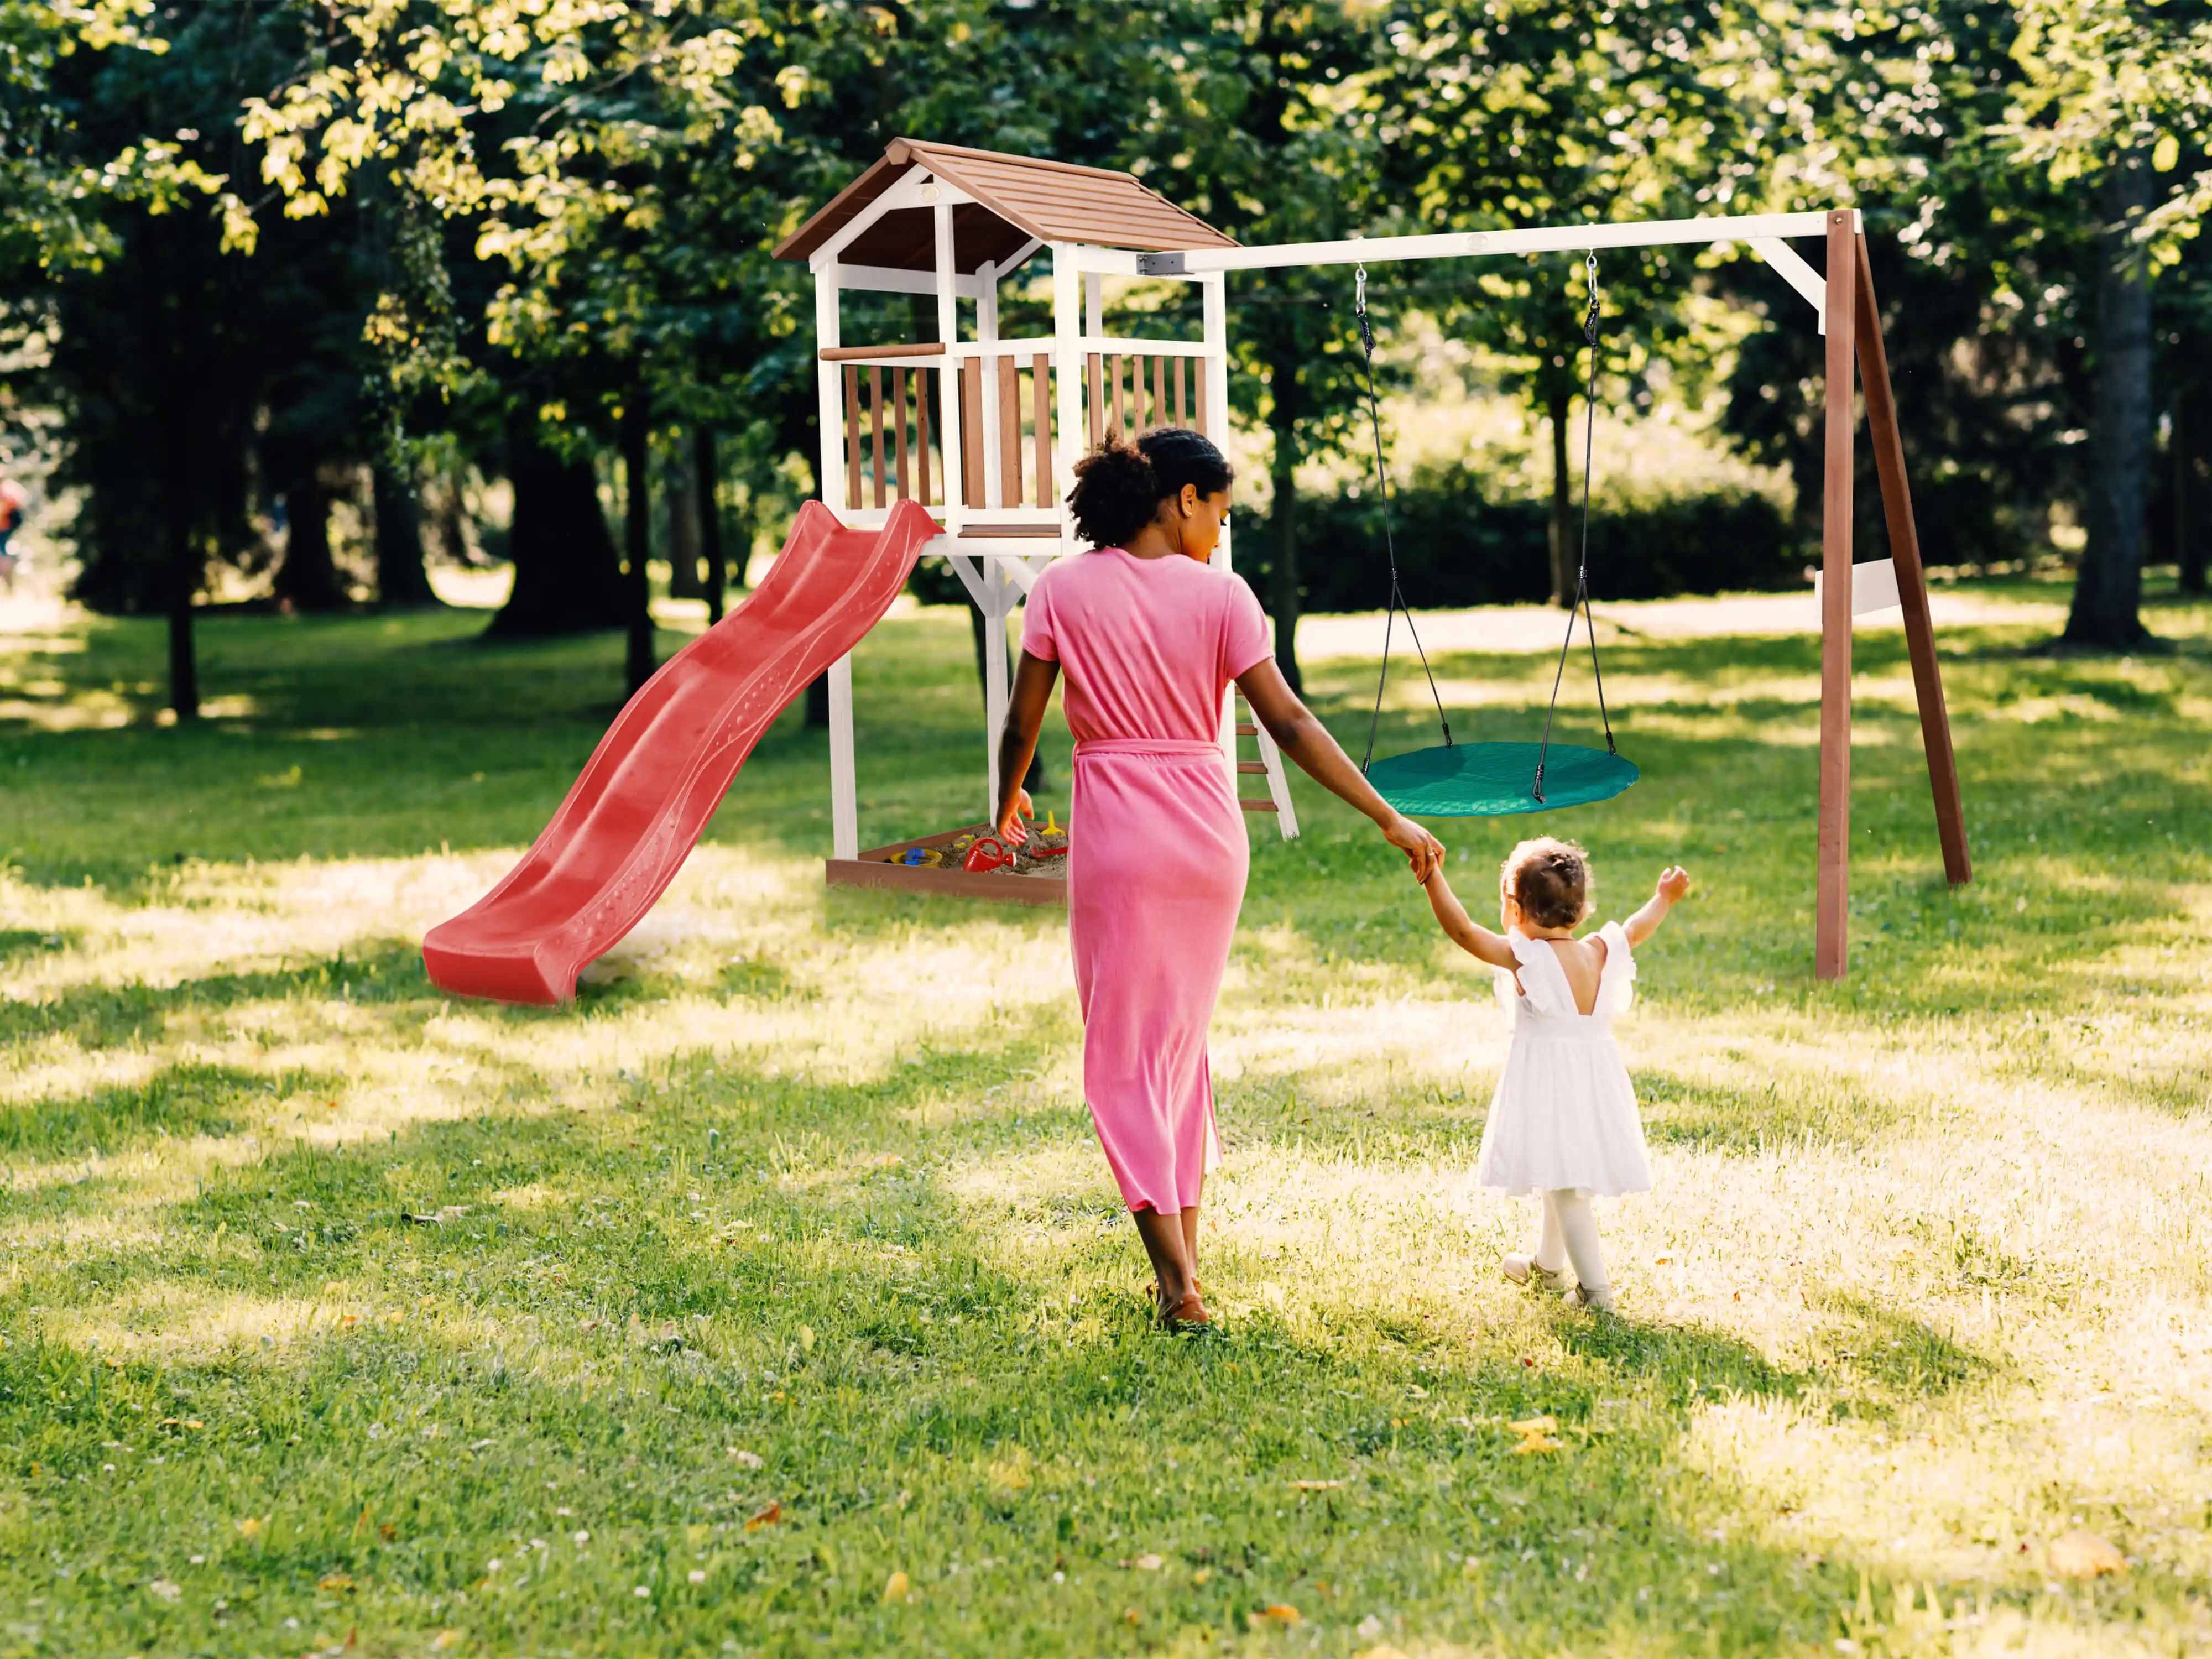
<point>1855,343</point>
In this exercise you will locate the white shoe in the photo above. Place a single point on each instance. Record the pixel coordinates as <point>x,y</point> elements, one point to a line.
<point>1522,1268</point>
<point>1583,1296</point>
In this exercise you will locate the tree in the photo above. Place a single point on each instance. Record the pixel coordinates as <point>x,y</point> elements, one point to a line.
<point>1275,140</point>
<point>1983,268</point>
<point>2109,94</point>
<point>1545,112</point>
<point>82,88</point>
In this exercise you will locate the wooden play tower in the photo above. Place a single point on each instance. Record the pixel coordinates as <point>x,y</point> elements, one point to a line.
<point>984,431</point>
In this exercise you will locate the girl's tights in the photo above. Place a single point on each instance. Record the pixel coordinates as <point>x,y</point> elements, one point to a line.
<point>1568,1234</point>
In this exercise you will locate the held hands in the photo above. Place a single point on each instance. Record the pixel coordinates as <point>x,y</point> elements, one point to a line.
<point>1423,851</point>
<point>1674,884</point>
<point>1010,825</point>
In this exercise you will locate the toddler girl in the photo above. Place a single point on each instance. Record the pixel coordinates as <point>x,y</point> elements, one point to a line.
<point>1563,1123</point>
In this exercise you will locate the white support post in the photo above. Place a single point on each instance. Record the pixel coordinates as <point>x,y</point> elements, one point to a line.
<point>986,335</point>
<point>830,472</point>
<point>1094,304</point>
<point>1002,593</point>
<point>1214,299</point>
<point>844,792</point>
<point>948,381</point>
<point>1067,380</point>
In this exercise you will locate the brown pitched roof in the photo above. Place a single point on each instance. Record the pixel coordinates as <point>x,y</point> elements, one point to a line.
<point>1016,197</point>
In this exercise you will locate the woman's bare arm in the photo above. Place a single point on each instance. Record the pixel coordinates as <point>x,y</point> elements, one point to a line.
<point>1034,679</point>
<point>1307,741</point>
<point>1470,935</point>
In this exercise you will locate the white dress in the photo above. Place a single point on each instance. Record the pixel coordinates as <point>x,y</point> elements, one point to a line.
<point>1565,1114</point>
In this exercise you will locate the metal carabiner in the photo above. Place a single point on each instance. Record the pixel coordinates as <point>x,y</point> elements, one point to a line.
<point>1359,290</point>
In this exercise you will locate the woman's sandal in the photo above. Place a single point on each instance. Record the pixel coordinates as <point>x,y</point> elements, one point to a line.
<point>1187,1315</point>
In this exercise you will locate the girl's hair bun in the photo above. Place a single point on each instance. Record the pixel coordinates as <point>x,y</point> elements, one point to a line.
<point>1550,879</point>
<point>1119,486</point>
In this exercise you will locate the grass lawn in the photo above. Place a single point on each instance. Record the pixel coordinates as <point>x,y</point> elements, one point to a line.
<point>775,1298</point>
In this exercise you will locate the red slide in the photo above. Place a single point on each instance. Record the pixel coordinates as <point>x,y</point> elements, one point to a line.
<point>658,775</point>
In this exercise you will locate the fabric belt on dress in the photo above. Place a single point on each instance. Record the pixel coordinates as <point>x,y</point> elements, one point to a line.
<point>1144,746</point>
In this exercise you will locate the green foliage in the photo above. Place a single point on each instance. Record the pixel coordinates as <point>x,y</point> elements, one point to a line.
<point>1459,542</point>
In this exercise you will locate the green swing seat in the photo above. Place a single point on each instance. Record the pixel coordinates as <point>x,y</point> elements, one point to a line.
<point>1492,780</point>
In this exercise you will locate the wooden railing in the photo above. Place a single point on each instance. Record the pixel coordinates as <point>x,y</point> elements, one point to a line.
<point>1105,377</point>
<point>893,462</point>
<point>893,396</point>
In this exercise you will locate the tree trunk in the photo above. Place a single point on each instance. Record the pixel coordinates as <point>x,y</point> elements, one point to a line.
<point>567,578</point>
<point>2188,500</point>
<point>2108,593</point>
<point>706,476</point>
<point>401,578</point>
<point>307,579</point>
<point>637,511</point>
<point>185,573</point>
<point>679,490</point>
<point>1558,405</point>
<point>1283,516</point>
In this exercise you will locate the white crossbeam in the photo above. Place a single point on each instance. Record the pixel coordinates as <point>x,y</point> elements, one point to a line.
<point>1545,239</point>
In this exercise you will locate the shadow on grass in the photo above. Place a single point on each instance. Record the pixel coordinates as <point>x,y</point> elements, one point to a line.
<point>95,1016</point>
<point>190,1098</point>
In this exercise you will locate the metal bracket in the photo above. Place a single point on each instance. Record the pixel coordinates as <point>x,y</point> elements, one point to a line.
<point>1169,264</point>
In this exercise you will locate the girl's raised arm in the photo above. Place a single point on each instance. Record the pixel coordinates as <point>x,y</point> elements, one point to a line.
<point>1674,882</point>
<point>1470,935</point>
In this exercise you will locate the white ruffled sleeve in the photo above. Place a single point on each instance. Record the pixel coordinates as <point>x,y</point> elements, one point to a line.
<point>1616,986</point>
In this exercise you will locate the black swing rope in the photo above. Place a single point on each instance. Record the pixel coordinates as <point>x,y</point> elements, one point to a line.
<point>1582,572</point>
<point>1582,603</point>
<point>1389,550</point>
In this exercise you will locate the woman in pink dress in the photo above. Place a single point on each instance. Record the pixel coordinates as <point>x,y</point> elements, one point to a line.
<point>1150,639</point>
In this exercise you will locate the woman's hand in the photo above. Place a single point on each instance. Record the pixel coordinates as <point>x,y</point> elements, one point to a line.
<point>1423,850</point>
<point>1010,825</point>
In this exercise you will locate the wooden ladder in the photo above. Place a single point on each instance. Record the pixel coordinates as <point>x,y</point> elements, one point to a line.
<point>1269,765</point>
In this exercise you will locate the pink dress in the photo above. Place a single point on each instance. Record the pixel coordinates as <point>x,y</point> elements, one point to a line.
<point>1156,854</point>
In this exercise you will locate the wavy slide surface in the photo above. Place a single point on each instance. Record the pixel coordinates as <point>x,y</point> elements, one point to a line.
<point>634,815</point>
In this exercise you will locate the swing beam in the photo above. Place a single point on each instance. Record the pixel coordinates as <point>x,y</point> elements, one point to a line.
<point>1843,297</point>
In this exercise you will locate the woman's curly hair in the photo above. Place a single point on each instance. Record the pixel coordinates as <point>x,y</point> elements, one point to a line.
<point>1119,486</point>
<point>1550,879</point>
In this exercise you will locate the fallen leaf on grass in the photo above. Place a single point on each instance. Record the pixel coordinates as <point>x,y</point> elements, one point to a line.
<point>1145,1562</point>
<point>165,1589</point>
<point>1280,1612</point>
<point>1536,1443</point>
<point>1535,1426</point>
<point>767,1517</point>
<point>2085,1555</point>
<point>1316,1486</point>
<point>251,1527</point>
<point>896,1587</point>
<point>337,1581</point>
<point>447,1639</point>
